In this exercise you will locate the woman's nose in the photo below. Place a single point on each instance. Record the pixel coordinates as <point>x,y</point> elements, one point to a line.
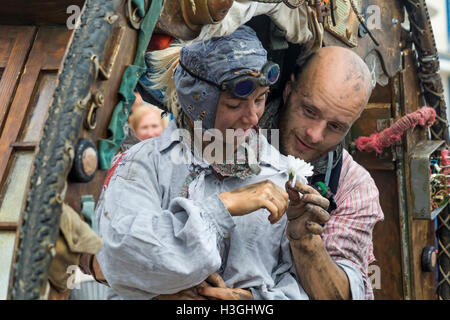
<point>251,117</point>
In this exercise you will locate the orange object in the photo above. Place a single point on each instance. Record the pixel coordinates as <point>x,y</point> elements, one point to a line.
<point>159,42</point>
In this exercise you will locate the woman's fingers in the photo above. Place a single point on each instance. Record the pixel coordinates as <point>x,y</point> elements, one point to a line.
<point>273,209</point>
<point>227,293</point>
<point>216,281</point>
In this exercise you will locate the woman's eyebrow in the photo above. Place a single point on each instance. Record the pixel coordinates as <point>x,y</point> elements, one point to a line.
<point>263,93</point>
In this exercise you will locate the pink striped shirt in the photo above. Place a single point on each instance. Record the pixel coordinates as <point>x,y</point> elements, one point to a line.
<point>348,233</point>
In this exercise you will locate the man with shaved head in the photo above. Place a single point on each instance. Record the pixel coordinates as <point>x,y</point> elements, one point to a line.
<point>331,250</point>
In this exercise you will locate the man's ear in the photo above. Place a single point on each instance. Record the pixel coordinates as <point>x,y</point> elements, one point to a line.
<point>288,88</point>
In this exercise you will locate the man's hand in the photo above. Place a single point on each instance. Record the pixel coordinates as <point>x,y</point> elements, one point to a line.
<point>264,194</point>
<point>305,214</point>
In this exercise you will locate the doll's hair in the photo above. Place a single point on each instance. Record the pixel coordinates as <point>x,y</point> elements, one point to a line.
<point>137,114</point>
<point>164,63</point>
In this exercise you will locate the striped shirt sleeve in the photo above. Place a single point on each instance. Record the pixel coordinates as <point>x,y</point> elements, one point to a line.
<point>348,234</point>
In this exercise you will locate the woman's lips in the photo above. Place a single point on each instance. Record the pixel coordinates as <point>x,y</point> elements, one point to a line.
<point>243,132</point>
<point>301,145</point>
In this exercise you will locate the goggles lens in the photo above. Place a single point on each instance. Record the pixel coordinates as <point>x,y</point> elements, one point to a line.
<point>244,88</point>
<point>273,74</point>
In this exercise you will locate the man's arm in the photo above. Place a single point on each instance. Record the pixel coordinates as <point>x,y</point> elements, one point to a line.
<point>319,275</point>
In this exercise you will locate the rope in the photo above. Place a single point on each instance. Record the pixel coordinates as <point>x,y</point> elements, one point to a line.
<point>378,141</point>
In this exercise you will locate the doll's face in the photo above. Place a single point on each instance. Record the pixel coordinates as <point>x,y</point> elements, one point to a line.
<point>149,126</point>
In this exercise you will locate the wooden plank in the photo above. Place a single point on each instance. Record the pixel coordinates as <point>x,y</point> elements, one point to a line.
<point>56,39</point>
<point>13,69</point>
<point>24,146</point>
<point>422,232</point>
<point>8,226</point>
<point>7,38</point>
<point>24,92</point>
<point>387,240</point>
<point>36,12</point>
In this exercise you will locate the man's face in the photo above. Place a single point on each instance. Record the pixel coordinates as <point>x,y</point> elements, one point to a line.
<point>316,118</point>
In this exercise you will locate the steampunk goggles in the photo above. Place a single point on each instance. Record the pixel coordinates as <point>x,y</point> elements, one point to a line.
<point>243,85</point>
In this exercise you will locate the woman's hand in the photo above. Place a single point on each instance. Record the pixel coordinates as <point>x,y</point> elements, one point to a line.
<point>213,288</point>
<point>264,194</point>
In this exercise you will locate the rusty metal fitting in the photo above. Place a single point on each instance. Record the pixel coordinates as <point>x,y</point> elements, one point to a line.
<point>197,13</point>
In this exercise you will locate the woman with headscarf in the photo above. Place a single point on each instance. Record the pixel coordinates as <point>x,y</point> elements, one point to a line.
<point>175,212</point>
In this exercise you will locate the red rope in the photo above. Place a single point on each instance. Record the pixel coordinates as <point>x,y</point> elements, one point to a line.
<point>425,116</point>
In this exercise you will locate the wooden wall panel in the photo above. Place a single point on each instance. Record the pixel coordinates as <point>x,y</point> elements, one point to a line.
<point>387,239</point>
<point>32,12</point>
<point>386,235</point>
<point>13,53</point>
<point>29,102</point>
<point>422,232</point>
<point>50,41</point>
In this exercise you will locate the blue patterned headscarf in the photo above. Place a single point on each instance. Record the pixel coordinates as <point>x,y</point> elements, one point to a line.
<point>217,60</point>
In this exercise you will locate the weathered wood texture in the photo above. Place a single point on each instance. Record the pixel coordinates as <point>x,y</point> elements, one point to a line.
<point>15,43</point>
<point>422,232</point>
<point>387,34</point>
<point>386,234</point>
<point>36,12</point>
<point>31,58</point>
<point>46,54</point>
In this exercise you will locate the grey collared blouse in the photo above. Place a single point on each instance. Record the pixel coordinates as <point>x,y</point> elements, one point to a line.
<point>157,242</point>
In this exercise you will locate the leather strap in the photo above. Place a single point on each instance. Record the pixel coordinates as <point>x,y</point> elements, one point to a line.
<point>97,272</point>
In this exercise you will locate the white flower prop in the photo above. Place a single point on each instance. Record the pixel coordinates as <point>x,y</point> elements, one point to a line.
<point>298,170</point>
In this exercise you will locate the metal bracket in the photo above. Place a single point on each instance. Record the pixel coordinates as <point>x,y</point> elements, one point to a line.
<point>91,118</point>
<point>420,179</point>
<point>133,18</point>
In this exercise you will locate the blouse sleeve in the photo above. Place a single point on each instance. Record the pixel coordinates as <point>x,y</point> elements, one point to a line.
<point>149,251</point>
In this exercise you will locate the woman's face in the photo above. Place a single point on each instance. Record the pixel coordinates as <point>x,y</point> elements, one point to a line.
<point>236,113</point>
<point>149,126</point>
